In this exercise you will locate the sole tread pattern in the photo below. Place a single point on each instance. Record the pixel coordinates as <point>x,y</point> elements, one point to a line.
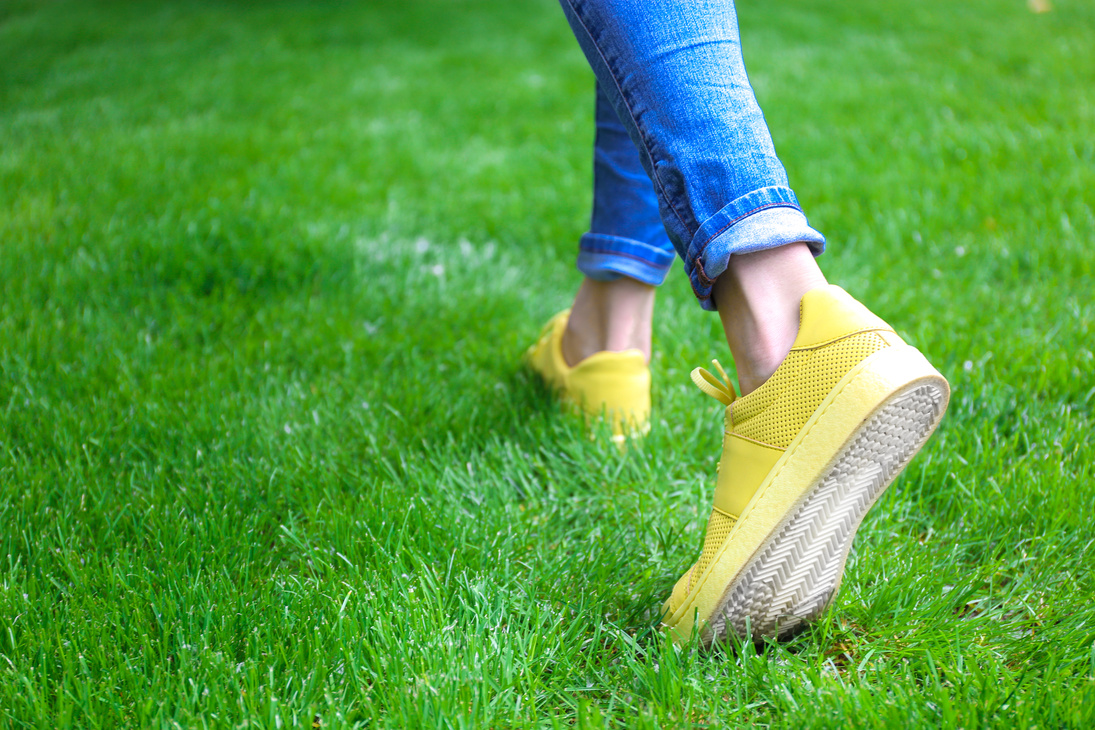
<point>794,575</point>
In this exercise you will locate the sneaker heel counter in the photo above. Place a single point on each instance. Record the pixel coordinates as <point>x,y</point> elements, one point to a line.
<point>617,383</point>
<point>829,313</point>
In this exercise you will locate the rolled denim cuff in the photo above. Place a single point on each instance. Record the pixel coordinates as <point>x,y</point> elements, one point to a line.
<point>605,258</point>
<point>765,218</point>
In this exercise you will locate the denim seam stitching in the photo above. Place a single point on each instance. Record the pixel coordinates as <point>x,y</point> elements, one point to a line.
<point>654,175</point>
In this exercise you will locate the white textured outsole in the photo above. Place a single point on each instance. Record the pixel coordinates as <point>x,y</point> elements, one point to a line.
<point>796,572</point>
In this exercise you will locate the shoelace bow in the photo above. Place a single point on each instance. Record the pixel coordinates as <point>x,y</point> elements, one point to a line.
<point>721,390</point>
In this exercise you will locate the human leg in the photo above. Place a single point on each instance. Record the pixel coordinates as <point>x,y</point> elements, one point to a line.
<point>835,403</point>
<point>624,255</point>
<point>609,316</point>
<point>626,235</point>
<point>674,74</point>
<point>595,354</point>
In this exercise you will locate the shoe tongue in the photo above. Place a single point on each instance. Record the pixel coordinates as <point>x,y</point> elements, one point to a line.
<point>829,312</point>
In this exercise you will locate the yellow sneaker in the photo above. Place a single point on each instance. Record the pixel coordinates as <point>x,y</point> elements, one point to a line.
<point>804,457</point>
<point>613,384</point>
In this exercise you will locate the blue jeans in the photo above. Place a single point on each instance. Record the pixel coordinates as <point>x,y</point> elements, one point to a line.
<point>680,139</point>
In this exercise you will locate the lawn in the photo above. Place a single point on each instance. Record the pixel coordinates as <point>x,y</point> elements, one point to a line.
<point>268,456</point>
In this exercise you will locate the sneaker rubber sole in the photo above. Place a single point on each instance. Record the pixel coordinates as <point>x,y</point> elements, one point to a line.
<point>852,448</point>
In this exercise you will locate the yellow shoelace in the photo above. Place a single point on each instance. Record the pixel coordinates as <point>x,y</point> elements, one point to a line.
<point>721,390</point>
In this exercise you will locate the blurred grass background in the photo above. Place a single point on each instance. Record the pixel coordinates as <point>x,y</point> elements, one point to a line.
<point>267,454</point>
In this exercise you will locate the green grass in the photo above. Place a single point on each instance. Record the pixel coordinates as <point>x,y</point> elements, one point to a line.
<point>267,455</point>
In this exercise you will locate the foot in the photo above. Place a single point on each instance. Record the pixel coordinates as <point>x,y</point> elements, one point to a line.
<point>615,385</point>
<point>805,455</point>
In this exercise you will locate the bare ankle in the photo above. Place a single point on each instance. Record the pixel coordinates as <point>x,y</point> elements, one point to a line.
<point>609,316</point>
<point>758,300</point>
